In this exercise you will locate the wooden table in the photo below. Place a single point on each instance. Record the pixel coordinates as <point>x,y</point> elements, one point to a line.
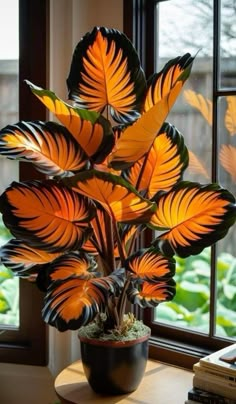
<point>162,384</point>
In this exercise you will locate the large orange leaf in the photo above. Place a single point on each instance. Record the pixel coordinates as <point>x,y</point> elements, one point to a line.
<point>150,294</point>
<point>91,130</point>
<point>46,214</point>
<point>74,302</point>
<point>151,265</point>
<point>160,84</point>
<point>71,265</point>
<point>128,237</point>
<point>194,216</point>
<point>163,165</point>
<point>102,240</point>
<point>116,195</point>
<point>105,71</point>
<point>22,258</point>
<point>136,140</point>
<point>49,146</point>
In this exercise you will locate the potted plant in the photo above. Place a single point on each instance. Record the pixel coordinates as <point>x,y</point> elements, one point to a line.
<point>114,168</point>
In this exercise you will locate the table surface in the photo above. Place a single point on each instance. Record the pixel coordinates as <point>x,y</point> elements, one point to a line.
<point>162,384</point>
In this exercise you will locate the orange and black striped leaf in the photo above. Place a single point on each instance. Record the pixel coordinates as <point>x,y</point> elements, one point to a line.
<point>162,84</point>
<point>104,165</point>
<point>49,146</point>
<point>128,236</point>
<point>102,241</point>
<point>74,264</point>
<point>150,294</point>
<point>105,71</point>
<point>150,265</point>
<point>97,242</point>
<point>163,165</point>
<point>164,88</point>
<point>22,258</point>
<point>74,302</point>
<point>194,216</point>
<point>90,130</point>
<point>46,214</point>
<point>117,196</point>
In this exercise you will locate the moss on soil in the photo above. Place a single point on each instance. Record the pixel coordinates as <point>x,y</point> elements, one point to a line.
<point>94,330</point>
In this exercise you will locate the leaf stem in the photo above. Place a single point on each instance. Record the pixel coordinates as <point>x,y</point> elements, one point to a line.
<point>121,250</point>
<point>123,300</point>
<point>110,258</point>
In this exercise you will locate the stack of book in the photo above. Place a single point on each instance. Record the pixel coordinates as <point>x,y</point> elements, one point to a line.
<point>214,380</point>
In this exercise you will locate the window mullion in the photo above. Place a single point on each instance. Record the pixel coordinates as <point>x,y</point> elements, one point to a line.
<point>215,84</point>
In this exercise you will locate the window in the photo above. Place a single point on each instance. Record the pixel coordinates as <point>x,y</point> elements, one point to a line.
<point>9,51</point>
<point>27,343</point>
<point>202,316</point>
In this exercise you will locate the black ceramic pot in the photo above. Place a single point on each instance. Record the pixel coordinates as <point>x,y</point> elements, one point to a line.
<point>114,367</point>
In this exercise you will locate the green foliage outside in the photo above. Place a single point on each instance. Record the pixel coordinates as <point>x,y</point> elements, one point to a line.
<point>190,307</point>
<point>9,291</point>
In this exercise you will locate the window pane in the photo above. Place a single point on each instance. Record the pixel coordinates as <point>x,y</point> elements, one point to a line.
<point>226,256</point>
<point>9,50</point>
<point>228,43</point>
<point>176,20</point>
<point>192,115</point>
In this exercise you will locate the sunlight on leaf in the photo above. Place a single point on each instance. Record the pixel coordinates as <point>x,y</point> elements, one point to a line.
<point>100,75</point>
<point>194,216</point>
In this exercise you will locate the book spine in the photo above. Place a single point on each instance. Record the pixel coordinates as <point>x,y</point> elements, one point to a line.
<point>222,389</point>
<point>189,402</point>
<point>227,369</point>
<point>221,377</point>
<point>217,380</point>
<point>192,395</point>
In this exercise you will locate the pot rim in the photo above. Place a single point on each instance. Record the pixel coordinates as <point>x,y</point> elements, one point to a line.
<point>114,343</point>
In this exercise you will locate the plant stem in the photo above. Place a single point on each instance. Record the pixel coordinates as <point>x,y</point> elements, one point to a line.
<point>123,297</point>
<point>113,314</point>
<point>121,250</point>
<point>123,300</point>
<point>109,242</point>
<point>141,173</point>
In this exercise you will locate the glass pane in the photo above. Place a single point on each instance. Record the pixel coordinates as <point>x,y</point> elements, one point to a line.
<point>192,115</point>
<point>9,55</point>
<point>226,255</point>
<point>228,44</point>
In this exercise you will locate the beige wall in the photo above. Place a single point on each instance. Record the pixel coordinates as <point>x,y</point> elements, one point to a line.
<point>90,13</point>
<point>69,21</point>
